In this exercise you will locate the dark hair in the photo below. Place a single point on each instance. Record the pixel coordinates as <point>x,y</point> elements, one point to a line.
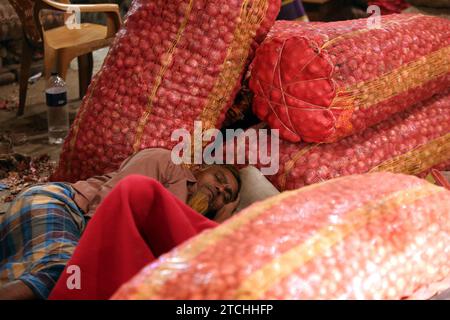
<point>236,175</point>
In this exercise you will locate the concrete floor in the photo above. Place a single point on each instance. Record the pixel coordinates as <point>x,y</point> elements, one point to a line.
<point>30,130</point>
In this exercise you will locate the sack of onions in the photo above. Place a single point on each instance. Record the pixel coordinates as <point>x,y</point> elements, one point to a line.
<point>411,142</point>
<point>373,236</point>
<point>320,82</point>
<point>173,62</point>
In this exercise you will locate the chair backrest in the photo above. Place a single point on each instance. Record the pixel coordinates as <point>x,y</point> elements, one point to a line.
<point>25,11</point>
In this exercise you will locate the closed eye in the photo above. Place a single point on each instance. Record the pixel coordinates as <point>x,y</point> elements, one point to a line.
<point>228,195</point>
<point>221,178</point>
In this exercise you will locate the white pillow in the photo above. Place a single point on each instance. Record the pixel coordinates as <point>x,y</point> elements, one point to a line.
<point>255,187</point>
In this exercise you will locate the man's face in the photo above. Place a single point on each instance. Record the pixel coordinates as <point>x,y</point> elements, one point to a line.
<point>218,184</point>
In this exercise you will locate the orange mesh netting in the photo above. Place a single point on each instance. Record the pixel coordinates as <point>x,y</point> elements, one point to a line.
<point>327,241</point>
<point>320,82</point>
<point>173,62</point>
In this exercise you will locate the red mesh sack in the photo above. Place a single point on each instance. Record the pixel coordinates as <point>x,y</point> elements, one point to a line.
<point>373,236</point>
<point>411,142</point>
<point>173,62</point>
<point>319,82</point>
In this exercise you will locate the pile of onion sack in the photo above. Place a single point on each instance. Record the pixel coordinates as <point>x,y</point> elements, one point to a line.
<point>173,62</point>
<point>410,142</point>
<point>320,82</point>
<point>372,236</point>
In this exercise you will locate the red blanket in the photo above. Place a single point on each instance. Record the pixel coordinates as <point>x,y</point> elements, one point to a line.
<point>136,223</point>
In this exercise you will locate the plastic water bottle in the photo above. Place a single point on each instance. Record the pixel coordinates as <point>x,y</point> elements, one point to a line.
<point>57,112</point>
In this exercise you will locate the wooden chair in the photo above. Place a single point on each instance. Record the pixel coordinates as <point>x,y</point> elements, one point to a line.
<point>62,44</point>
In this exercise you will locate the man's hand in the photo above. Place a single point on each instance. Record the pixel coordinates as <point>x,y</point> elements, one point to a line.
<point>227,211</point>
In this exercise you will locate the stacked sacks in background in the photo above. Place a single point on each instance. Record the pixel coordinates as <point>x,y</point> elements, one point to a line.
<point>240,114</point>
<point>327,241</point>
<point>411,142</point>
<point>173,62</point>
<point>320,82</point>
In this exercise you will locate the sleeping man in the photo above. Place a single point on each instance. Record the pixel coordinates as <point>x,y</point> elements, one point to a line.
<point>140,213</point>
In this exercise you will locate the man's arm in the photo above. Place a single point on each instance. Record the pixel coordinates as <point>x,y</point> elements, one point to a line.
<point>16,290</point>
<point>152,163</point>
